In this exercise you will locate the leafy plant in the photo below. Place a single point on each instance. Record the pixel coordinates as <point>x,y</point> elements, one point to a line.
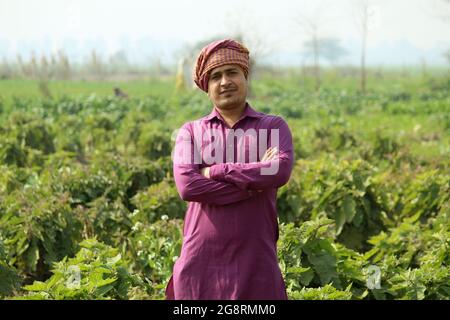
<point>96,272</point>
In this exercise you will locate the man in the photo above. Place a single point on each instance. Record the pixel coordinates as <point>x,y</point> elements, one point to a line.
<point>231,228</point>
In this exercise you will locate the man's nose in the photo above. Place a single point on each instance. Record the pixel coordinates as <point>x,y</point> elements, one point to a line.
<point>224,80</point>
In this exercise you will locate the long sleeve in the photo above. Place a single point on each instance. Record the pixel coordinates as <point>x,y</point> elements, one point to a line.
<point>250,176</point>
<point>191,185</point>
<point>229,247</point>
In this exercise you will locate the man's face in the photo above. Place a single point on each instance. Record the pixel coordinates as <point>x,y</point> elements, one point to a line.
<point>227,87</point>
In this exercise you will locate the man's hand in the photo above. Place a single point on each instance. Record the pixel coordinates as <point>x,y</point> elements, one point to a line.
<point>205,172</point>
<point>271,154</point>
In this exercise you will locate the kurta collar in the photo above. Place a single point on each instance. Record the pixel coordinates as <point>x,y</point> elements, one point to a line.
<point>248,112</point>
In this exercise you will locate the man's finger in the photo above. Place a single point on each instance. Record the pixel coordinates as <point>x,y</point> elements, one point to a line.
<point>266,154</point>
<point>270,154</point>
<point>269,151</point>
<point>272,151</point>
<point>273,154</point>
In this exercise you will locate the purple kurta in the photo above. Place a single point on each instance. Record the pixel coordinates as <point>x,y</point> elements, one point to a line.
<point>230,229</point>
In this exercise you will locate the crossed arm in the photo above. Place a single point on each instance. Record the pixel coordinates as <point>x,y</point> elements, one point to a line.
<point>227,183</point>
<point>238,176</point>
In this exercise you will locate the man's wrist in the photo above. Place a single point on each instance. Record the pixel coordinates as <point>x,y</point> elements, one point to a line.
<point>217,172</point>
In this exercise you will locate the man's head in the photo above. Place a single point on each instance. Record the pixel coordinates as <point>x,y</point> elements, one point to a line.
<point>222,70</point>
<point>227,86</point>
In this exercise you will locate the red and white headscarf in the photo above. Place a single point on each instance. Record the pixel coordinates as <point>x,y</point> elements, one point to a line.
<point>217,54</point>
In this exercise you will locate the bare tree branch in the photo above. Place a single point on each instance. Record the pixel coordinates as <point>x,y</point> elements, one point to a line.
<point>312,25</point>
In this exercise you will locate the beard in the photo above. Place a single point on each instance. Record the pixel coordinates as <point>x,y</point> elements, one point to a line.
<point>230,100</point>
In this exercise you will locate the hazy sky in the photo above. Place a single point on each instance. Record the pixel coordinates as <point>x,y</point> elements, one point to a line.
<point>272,23</point>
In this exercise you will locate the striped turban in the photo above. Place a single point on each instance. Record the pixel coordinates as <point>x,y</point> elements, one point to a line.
<point>217,54</point>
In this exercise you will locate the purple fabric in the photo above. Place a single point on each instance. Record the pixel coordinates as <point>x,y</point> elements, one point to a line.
<point>230,229</point>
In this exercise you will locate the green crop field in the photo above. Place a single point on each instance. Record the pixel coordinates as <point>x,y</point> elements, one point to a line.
<point>89,209</point>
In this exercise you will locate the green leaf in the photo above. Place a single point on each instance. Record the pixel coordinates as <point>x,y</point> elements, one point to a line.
<point>101,291</point>
<point>114,260</point>
<point>340,221</point>
<point>32,256</point>
<point>349,208</point>
<point>305,274</point>
<point>36,286</point>
<point>320,255</point>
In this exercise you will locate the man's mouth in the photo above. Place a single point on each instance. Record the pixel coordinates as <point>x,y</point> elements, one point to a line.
<point>227,91</point>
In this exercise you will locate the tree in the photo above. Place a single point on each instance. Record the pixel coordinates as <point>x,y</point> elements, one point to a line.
<point>364,14</point>
<point>96,64</point>
<point>246,30</point>
<point>6,70</point>
<point>330,49</point>
<point>312,24</point>
<point>119,61</point>
<point>63,65</point>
